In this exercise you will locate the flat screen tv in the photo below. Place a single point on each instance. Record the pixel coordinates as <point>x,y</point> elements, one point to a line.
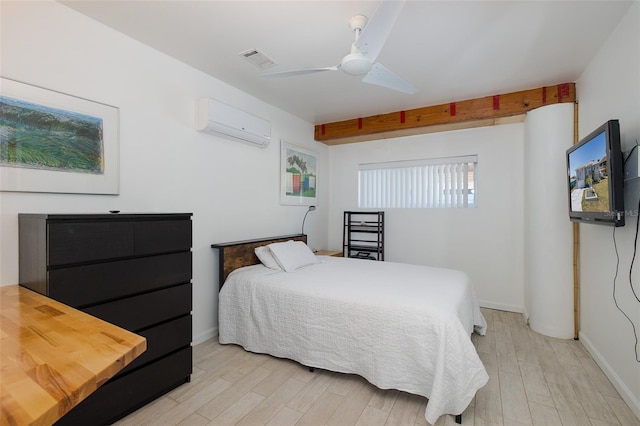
<point>596,177</point>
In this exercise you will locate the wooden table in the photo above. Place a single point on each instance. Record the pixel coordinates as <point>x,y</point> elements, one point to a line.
<point>53,356</point>
<point>334,253</point>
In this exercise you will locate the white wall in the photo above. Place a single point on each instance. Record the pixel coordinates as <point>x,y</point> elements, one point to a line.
<point>166,166</point>
<point>608,89</point>
<point>486,242</point>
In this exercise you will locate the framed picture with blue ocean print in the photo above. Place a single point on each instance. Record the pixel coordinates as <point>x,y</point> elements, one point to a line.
<point>55,142</point>
<point>298,175</point>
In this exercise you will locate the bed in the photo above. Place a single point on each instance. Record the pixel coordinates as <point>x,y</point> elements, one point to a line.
<point>399,326</point>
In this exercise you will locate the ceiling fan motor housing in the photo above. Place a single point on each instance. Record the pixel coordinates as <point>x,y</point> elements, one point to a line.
<point>355,64</point>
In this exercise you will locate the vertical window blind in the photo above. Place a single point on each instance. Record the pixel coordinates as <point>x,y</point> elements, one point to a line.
<point>449,182</point>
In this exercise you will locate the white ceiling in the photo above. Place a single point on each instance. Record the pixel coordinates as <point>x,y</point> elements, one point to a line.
<point>450,50</point>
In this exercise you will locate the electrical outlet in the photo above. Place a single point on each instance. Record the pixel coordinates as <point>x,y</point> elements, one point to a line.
<point>631,167</point>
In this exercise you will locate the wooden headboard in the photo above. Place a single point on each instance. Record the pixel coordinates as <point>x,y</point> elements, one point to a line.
<point>237,254</point>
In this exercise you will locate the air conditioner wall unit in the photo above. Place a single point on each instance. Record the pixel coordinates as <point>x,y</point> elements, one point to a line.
<point>218,118</point>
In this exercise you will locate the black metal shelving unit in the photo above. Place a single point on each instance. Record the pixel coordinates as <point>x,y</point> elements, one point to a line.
<point>363,235</point>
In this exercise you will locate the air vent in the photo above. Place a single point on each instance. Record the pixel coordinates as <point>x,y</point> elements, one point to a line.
<point>258,58</point>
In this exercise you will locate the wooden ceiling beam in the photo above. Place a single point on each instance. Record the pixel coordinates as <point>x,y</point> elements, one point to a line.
<point>485,111</point>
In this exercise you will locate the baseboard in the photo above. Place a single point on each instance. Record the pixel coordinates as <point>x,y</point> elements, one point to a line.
<point>206,335</point>
<point>626,394</point>
<point>500,307</point>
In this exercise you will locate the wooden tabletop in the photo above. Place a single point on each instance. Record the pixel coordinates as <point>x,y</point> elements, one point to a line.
<point>334,253</point>
<point>53,356</point>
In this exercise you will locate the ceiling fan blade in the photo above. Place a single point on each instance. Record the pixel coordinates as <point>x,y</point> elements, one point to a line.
<point>299,72</point>
<point>377,30</point>
<point>382,76</point>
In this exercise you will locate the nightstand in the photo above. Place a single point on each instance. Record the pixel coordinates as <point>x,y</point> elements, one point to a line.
<point>334,253</point>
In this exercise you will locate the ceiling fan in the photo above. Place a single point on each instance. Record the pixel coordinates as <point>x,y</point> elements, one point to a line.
<point>369,39</point>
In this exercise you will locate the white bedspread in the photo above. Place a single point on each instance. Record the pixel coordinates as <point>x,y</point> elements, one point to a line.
<point>400,326</point>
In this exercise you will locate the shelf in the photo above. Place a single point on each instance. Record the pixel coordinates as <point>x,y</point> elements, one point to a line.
<point>360,228</point>
<point>363,235</point>
<point>362,248</point>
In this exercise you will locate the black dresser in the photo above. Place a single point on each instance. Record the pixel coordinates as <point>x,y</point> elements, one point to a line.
<point>133,270</point>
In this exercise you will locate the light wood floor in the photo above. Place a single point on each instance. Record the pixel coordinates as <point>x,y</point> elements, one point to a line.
<point>534,380</point>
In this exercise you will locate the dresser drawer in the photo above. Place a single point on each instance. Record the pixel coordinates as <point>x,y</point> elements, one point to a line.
<point>86,285</point>
<point>77,242</point>
<point>163,339</point>
<point>123,395</point>
<point>89,241</point>
<point>164,236</point>
<point>139,312</point>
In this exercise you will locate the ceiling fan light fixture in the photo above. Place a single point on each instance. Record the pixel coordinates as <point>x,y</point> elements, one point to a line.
<point>355,64</point>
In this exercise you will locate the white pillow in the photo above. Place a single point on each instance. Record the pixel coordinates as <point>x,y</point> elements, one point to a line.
<point>292,255</point>
<point>267,259</point>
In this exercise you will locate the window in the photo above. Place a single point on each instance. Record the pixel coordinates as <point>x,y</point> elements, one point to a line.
<point>430,183</point>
